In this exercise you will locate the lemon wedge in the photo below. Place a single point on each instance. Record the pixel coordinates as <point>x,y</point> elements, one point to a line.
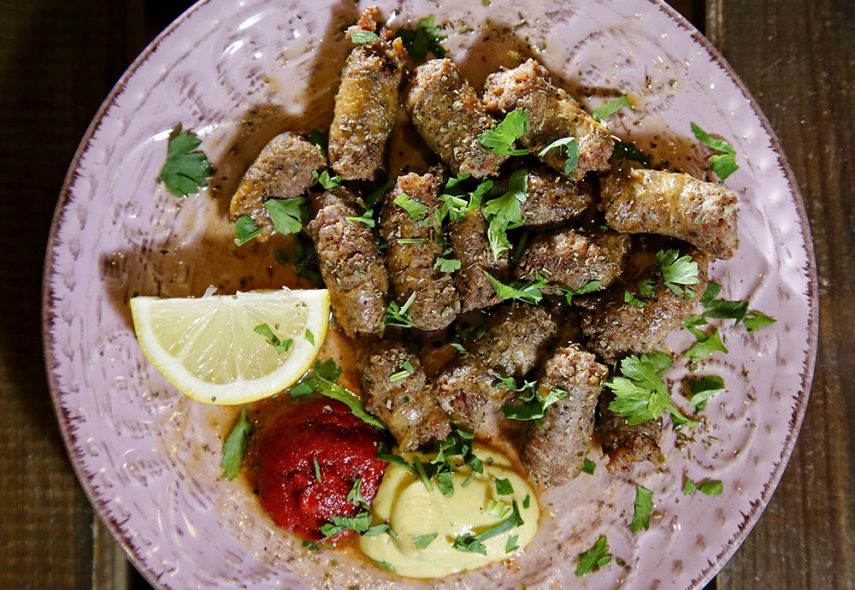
<point>233,349</point>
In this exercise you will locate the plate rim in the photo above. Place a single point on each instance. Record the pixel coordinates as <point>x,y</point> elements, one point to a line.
<point>796,417</point>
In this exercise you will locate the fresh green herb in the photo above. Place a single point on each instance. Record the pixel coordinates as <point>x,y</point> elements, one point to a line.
<point>445,483</point>
<point>245,230</point>
<point>589,287</point>
<point>285,214</point>
<point>407,369</point>
<point>526,292</point>
<point>325,180</point>
<point>470,543</point>
<point>414,209</point>
<point>457,202</point>
<point>376,195</point>
<point>724,162</point>
<point>531,406</point>
<point>384,455</point>
<point>458,347</point>
<point>319,139</point>
<point>310,545</point>
<point>234,448</point>
<point>589,466</point>
<point>571,148</point>
<point>317,470</point>
<point>309,336</point>
<point>511,544</point>
<point>640,393</point>
<point>323,379</point>
<point>406,241</point>
<point>504,213</point>
<point>397,315</point>
<point>642,509</point>
<point>628,297</point>
<point>704,389</point>
<point>385,565</point>
<point>710,487</point>
<point>448,265</point>
<point>424,39</point>
<point>646,288</point>
<point>594,558</point>
<point>710,293</point>
<point>306,260</point>
<point>367,218</point>
<point>610,108</point>
<point>726,309</point>
<point>756,320</point>
<point>500,139</point>
<point>677,270</point>
<point>361,37</point>
<point>526,501</point>
<point>186,169</point>
<point>422,541</point>
<point>280,345</point>
<point>420,471</point>
<point>497,508</point>
<point>705,345</point>
<point>504,487</point>
<point>358,523</point>
<point>379,529</point>
<point>354,496</point>
<point>627,151</point>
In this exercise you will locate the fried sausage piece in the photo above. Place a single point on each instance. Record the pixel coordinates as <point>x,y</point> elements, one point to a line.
<point>553,114</point>
<point>412,265</point>
<point>448,114</point>
<point>282,170</point>
<point>572,259</point>
<point>672,204</point>
<point>471,395</point>
<point>626,444</point>
<point>405,405</point>
<point>350,264</point>
<point>553,452</point>
<point>552,199</point>
<point>366,103</point>
<point>517,338</point>
<point>614,328</point>
<point>468,239</point>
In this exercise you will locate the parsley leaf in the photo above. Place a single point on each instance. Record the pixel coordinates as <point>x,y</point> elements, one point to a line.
<point>710,487</point>
<point>385,565</point>
<point>532,406</point>
<point>285,214</point>
<point>704,389</point>
<point>186,169</point>
<point>310,337</point>
<point>571,148</point>
<point>422,40</point>
<point>354,496</point>
<point>320,139</point>
<point>397,315</point>
<point>710,293</point>
<point>422,541</point>
<point>234,447</point>
<point>358,523</point>
<point>504,487</point>
<point>756,320</point>
<point>511,544</point>
<point>628,297</point>
<point>245,230</point>
<point>323,379</point>
<point>497,509</point>
<point>627,151</point>
<point>367,218</point>
<point>526,292</point>
<point>448,265</point>
<point>589,466</point>
<point>610,108</point>
<point>705,345</point>
<point>317,466</point>
<point>726,309</point>
<point>407,369</point>
<point>504,213</point>
<point>379,529</point>
<point>642,508</point>
<point>500,139</point>
<point>361,37</point>
<point>280,345</point>
<point>677,270</point>
<point>724,163</point>
<point>414,209</point>
<point>467,542</point>
<point>325,180</point>
<point>640,393</point>
<point>594,558</point>
<point>589,287</point>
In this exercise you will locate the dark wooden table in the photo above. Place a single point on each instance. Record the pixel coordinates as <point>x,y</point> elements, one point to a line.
<point>59,59</point>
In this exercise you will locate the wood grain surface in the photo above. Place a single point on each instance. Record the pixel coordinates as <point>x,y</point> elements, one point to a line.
<point>59,59</point>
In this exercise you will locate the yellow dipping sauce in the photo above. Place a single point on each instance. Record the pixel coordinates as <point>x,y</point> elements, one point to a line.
<point>411,510</point>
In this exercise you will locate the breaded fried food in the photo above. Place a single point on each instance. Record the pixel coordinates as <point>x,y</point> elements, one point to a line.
<point>366,103</point>
<point>448,114</point>
<point>553,114</point>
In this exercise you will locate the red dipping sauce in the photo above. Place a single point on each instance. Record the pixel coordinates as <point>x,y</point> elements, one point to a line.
<point>344,447</point>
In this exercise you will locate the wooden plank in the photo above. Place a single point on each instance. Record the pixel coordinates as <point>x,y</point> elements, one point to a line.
<point>798,58</point>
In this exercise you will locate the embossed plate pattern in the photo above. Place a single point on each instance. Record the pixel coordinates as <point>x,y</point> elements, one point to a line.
<point>237,73</point>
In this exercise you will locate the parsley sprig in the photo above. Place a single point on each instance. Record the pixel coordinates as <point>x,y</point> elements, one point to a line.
<point>531,293</point>
<point>595,558</point>
<point>723,163</point>
<point>678,272</point>
<point>424,39</point>
<point>610,108</point>
<point>281,346</point>
<point>397,315</point>
<point>501,138</point>
<point>187,168</point>
<point>642,508</point>
<point>323,379</point>
<point>505,212</point>
<point>571,149</point>
<point>469,543</point>
<point>529,404</point>
<point>286,214</point>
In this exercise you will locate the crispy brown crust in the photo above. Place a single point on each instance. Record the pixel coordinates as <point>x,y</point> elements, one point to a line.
<point>552,199</point>
<point>471,395</point>
<point>625,444</point>
<point>405,406</point>
<point>554,451</point>
<point>448,114</point>
<point>672,204</point>
<point>553,114</point>
<point>412,266</point>
<point>366,103</point>
<point>468,239</point>
<point>350,264</point>
<point>572,259</point>
<point>282,170</point>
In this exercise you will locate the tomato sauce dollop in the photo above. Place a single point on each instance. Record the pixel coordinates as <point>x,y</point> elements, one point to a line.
<point>345,449</point>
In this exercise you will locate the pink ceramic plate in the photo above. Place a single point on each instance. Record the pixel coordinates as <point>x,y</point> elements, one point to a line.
<point>238,72</point>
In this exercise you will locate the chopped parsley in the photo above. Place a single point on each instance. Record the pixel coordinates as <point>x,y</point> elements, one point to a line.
<point>677,271</point>
<point>500,139</point>
<point>186,169</point>
<point>457,201</point>
<point>641,510</point>
<point>704,389</point>
<point>705,343</point>
<point>407,369</point>
<point>588,466</point>
<point>640,393</point>
<point>448,265</point>
<point>629,297</point>
<point>589,287</point>
<point>511,544</point>
<point>234,447</point>
<point>723,163</point>
<point>526,501</point>
<point>710,487</point>
<point>323,379</point>
<point>610,108</point>
<point>317,466</point>
<point>376,195</point>
<point>309,336</point>
<point>756,320</point>
<point>354,496</point>
<point>281,346</point>
<point>325,180</point>
<point>469,543</point>
<point>414,209</point>
<point>571,149</point>
<point>627,151</point>
<point>422,541</point>
<point>594,558</point>
<point>424,39</point>
<point>286,214</point>
<point>362,37</point>
<point>531,406</point>
<point>526,292</point>
<point>504,487</point>
<point>359,523</point>
<point>397,315</point>
<point>411,241</point>
<point>366,218</point>
<point>379,529</point>
<point>245,230</point>
<point>504,213</point>
<point>385,565</point>
<point>320,139</point>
